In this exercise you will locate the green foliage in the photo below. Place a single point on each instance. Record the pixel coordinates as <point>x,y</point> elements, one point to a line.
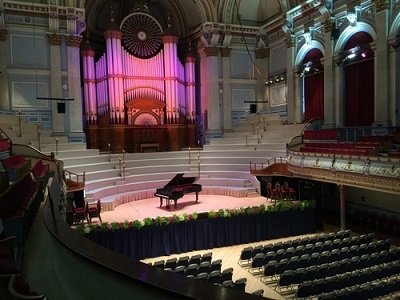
<point>279,206</point>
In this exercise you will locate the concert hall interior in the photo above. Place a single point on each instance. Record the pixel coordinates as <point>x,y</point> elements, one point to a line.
<point>203,149</point>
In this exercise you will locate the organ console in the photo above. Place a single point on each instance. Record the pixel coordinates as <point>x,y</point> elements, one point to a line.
<point>176,188</point>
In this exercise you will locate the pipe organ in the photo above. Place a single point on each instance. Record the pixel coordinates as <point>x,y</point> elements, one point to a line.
<point>123,89</point>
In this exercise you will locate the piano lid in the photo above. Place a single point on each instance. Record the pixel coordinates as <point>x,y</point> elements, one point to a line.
<point>180,180</point>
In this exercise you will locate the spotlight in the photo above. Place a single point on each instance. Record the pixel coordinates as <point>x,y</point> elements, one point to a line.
<point>307,68</point>
<point>364,54</point>
<point>351,55</point>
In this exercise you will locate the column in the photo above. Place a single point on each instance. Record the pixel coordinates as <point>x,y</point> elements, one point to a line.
<point>262,56</point>
<point>212,90</point>
<point>115,75</point>
<point>329,82</point>
<point>339,91</point>
<point>225,89</point>
<point>74,85</point>
<point>190,89</point>
<point>394,99</point>
<point>292,106</point>
<point>171,78</point>
<point>382,115</point>
<point>58,119</point>
<point>4,92</point>
<point>89,86</point>
<point>342,207</point>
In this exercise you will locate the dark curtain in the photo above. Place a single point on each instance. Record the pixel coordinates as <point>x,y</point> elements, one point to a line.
<point>204,233</point>
<point>314,96</point>
<point>359,94</point>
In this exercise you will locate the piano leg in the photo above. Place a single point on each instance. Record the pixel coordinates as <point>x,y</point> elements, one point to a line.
<point>160,201</point>
<point>197,196</point>
<point>176,203</point>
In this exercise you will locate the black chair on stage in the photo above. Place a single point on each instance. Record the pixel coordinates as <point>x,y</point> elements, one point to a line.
<point>195,259</point>
<point>204,267</point>
<point>159,264</point>
<point>179,270</point>
<point>285,282</point>
<point>216,265</point>
<point>257,263</point>
<point>226,274</point>
<point>192,270</point>
<point>183,261</point>
<point>240,284</point>
<point>171,263</point>
<point>202,276</point>
<point>259,292</point>
<point>269,271</point>
<point>206,257</point>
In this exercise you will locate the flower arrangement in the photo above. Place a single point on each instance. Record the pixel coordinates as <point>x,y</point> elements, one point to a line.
<point>279,206</point>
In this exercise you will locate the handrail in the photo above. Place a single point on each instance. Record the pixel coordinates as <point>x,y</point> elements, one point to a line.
<point>71,175</point>
<point>311,122</point>
<point>267,163</point>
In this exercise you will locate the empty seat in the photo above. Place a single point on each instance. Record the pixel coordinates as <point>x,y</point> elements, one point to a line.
<point>206,257</point>
<point>259,292</point>
<point>183,261</point>
<point>215,277</point>
<point>204,267</point>
<point>192,270</point>
<point>171,263</point>
<point>227,283</point>
<point>240,284</point>
<point>159,264</point>
<point>257,263</point>
<point>256,250</point>
<point>269,270</point>
<point>195,259</point>
<point>245,256</point>
<point>202,276</point>
<point>179,270</point>
<point>285,282</point>
<point>226,274</point>
<point>216,265</point>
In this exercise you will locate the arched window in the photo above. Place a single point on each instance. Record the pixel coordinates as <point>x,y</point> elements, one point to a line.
<point>312,70</point>
<point>358,60</point>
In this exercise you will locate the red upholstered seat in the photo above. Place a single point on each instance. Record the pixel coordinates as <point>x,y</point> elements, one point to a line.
<point>94,210</point>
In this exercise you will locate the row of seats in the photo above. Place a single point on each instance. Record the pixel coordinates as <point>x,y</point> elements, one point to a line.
<point>326,257</point>
<point>325,134</point>
<point>248,253</point>
<point>213,276</point>
<point>318,253</point>
<point>347,280</point>
<point>294,277</point>
<point>185,261</point>
<point>368,290</point>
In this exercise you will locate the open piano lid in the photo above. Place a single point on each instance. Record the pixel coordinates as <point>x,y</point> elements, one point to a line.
<point>180,180</point>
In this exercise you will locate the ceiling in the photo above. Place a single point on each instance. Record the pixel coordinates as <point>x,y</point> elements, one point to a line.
<point>186,15</point>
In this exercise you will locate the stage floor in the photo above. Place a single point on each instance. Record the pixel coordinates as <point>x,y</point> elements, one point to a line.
<point>138,210</point>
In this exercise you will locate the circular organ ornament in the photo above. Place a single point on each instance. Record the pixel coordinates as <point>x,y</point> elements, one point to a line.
<point>141,35</point>
<point>145,119</point>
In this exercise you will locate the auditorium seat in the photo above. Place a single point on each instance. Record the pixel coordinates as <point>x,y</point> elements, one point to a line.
<point>215,277</point>
<point>226,274</point>
<point>94,210</point>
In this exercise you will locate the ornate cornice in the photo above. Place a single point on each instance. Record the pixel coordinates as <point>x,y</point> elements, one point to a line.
<point>262,53</point>
<point>290,41</point>
<point>211,51</point>
<point>226,52</point>
<point>328,25</point>
<point>381,5</point>
<point>73,40</point>
<point>383,184</point>
<point>54,39</point>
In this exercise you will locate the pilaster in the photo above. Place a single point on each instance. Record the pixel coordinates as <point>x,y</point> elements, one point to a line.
<point>292,106</point>
<point>225,89</point>
<point>58,119</point>
<point>329,82</point>
<point>380,47</point>
<point>262,56</point>
<point>4,91</point>
<point>74,88</point>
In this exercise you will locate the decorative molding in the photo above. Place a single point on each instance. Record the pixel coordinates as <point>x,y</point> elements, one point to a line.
<point>211,51</point>
<point>347,178</point>
<point>54,39</point>
<point>328,25</point>
<point>73,40</point>
<point>290,41</point>
<point>226,52</point>
<point>381,5</point>
<point>262,53</point>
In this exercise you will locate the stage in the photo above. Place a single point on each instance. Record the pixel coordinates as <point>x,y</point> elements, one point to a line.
<point>140,209</point>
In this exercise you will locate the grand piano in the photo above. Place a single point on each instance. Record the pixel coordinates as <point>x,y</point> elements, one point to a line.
<point>176,188</point>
